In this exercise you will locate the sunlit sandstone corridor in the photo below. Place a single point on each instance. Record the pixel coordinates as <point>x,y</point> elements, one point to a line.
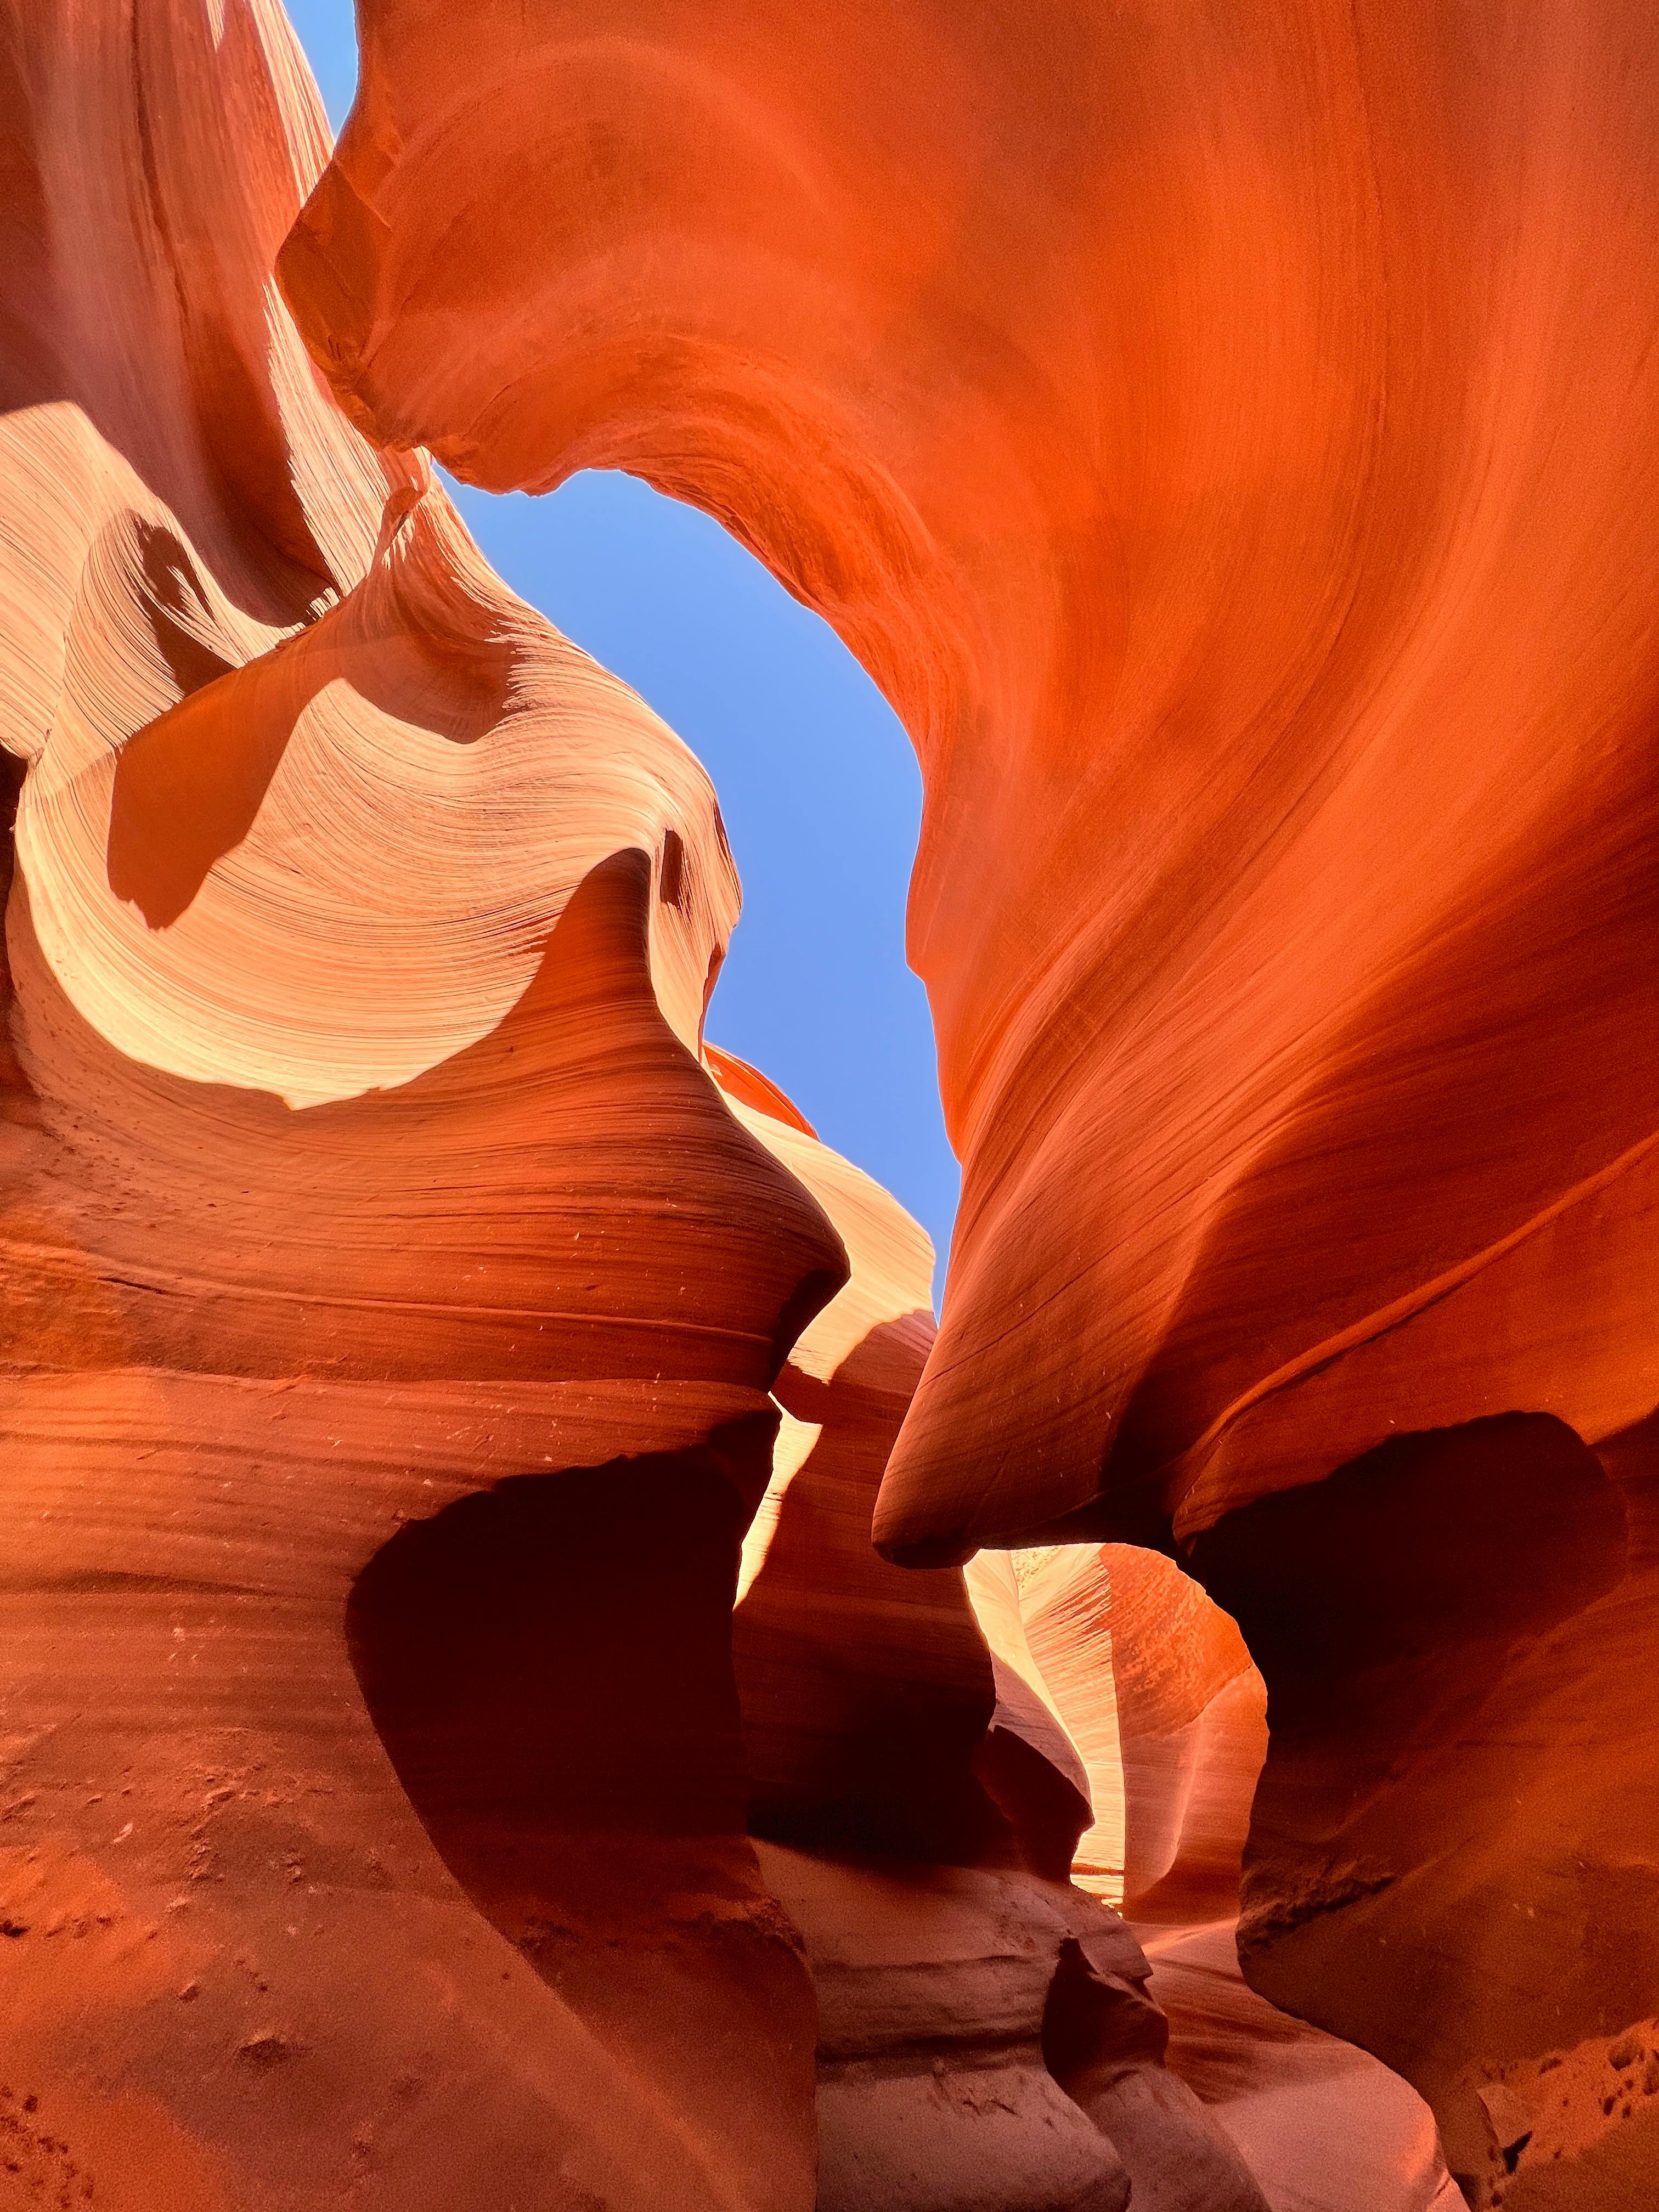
<point>536,1672</point>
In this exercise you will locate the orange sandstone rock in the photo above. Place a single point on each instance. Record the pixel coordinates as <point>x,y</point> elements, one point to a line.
<point>984,2034</point>
<point>1232,443</point>
<point>1125,1637</point>
<point>359,1176</point>
<point>1152,1683</point>
<point>866,1688</point>
<point>394,1295</point>
<point>1166,413</point>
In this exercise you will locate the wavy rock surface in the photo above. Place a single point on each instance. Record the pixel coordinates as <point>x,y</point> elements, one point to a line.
<point>984,2033</point>
<point>1153,1684</point>
<point>1324,2127</point>
<point>1232,443</point>
<point>395,1291</point>
<point>865,1689</point>
<point>1145,556</point>
<point>1151,1681</point>
<point>381,1263</point>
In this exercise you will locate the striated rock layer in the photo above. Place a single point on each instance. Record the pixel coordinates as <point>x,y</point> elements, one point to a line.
<point>459,1743</point>
<point>985,2033</point>
<point>1149,1680</point>
<point>1152,1685</point>
<point>360,1175</point>
<point>1230,437</point>
<point>459,1746</point>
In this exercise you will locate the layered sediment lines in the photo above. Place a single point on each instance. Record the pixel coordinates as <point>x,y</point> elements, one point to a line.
<point>394,1810</point>
<point>1150,1681</point>
<point>1231,445</point>
<point>391,1301</point>
<point>1166,415</point>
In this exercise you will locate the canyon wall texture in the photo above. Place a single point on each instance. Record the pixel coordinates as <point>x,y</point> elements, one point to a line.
<point>459,1743</point>
<point>361,1175</point>
<point>1230,440</point>
<point>459,1746</point>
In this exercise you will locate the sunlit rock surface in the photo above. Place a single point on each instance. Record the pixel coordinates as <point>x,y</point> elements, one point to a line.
<point>1230,440</point>
<point>395,1811</point>
<point>458,1744</point>
<point>1150,1681</point>
<point>358,1158</point>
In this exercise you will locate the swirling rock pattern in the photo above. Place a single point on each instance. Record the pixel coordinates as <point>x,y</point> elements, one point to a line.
<point>358,1159</point>
<point>1151,1683</point>
<point>395,1812</point>
<point>1230,440</point>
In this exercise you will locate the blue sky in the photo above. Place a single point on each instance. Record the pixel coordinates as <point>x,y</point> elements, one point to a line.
<point>816,780</point>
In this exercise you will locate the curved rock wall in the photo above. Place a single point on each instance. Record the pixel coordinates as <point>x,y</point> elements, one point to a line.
<point>1231,444</point>
<point>395,1290</point>
<point>358,1158</point>
<point>1153,1684</point>
<point>1230,440</point>
<point>1166,413</point>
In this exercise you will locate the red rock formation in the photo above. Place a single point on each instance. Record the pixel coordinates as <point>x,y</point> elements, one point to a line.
<point>1324,2127</point>
<point>984,2034</point>
<point>865,1688</point>
<point>998,1583</point>
<point>359,1176</point>
<point>1153,1684</point>
<point>393,1301</point>
<point>1231,441</point>
<point>1231,445</point>
<point>1451,1629</point>
<point>1108,1633</point>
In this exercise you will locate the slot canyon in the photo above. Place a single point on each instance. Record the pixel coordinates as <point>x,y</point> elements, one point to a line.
<point>535,1674</point>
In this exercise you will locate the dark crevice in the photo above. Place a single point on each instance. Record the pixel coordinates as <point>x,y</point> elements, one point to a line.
<point>549,1666</point>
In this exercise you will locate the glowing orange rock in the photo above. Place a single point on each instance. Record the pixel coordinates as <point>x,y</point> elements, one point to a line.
<point>380,1261</point>
<point>1016,353</point>
<point>1153,1684</point>
<point>1232,443</point>
<point>1151,1681</point>
<point>985,2038</point>
<point>393,1300</point>
<point>864,1687</point>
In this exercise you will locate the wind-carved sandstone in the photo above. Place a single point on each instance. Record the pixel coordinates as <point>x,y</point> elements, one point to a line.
<point>396,1291</point>
<point>1231,445</point>
<point>460,1742</point>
